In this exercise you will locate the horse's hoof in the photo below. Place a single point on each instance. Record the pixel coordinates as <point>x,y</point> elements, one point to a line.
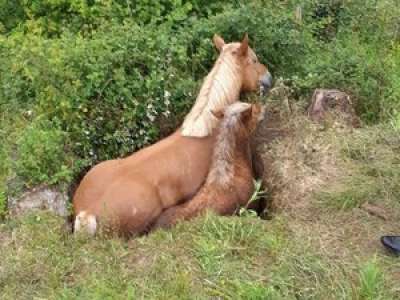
<point>392,243</point>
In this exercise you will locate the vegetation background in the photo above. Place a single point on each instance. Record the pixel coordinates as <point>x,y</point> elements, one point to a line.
<point>86,80</point>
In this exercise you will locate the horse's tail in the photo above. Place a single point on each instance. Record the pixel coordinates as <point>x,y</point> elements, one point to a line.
<point>85,222</point>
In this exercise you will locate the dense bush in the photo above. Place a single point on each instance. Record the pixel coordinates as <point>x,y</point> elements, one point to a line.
<point>360,59</point>
<point>83,81</point>
<point>53,17</point>
<point>41,155</point>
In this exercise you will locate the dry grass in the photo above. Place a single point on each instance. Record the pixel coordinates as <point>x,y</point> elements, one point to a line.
<point>339,188</point>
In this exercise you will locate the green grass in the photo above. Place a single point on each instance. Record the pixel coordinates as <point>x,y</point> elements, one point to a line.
<point>212,257</point>
<point>372,281</point>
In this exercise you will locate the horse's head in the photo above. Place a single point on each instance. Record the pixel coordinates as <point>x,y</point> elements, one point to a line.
<point>241,117</point>
<point>236,70</point>
<point>255,75</point>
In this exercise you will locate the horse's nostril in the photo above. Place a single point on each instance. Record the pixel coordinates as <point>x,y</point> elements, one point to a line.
<point>266,81</point>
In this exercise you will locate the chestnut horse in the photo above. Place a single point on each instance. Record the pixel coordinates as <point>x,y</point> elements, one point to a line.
<point>229,184</point>
<point>131,193</point>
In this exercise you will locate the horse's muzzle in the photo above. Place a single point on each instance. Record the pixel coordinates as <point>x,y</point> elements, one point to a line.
<point>265,83</point>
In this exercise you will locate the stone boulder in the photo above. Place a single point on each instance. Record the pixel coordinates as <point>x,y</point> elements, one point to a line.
<point>40,198</point>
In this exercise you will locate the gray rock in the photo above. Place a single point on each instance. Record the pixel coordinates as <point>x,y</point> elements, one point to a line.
<point>40,198</point>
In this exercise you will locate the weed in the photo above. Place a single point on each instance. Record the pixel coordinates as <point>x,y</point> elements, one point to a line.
<point>372,281</point>
<point>257,195</point>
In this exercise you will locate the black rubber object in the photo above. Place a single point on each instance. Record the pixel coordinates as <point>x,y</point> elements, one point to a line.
<point>392,242</point>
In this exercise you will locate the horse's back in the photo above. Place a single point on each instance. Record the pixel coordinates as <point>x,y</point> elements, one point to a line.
<point>102,176</point>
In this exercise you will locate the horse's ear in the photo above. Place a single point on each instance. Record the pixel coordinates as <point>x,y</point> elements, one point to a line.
<point>219,114</point>
<point>218,42</point>
<point>244,45</point>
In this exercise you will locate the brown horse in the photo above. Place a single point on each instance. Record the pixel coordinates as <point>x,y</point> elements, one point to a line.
<point>229,184</point>
<point>131,193</point>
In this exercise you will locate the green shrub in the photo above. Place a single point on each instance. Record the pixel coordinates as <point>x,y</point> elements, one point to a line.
<point>4,171</point>
<point>354,52</point>
<point>41,155</point>
<point>111,93</point>
<point>53,17</point>
<point>114,76</point>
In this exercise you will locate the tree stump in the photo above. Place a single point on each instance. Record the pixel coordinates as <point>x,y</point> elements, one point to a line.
<point>332,103</point>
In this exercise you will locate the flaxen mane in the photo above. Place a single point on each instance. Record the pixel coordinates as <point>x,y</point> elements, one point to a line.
<point>219,88</point>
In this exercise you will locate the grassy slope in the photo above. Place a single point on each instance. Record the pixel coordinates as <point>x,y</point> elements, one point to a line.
<point>322,242</point>
<point>228,258</point>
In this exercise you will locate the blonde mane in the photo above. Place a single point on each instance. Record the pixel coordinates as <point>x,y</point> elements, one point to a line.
<point>221,87</point>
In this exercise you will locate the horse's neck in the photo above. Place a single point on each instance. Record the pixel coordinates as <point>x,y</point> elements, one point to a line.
<point>230,149</point>
<point>220,88</point>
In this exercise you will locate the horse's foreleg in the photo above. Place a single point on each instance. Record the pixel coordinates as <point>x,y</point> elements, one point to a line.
<point>193,208</point>
<point>186,211</point>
